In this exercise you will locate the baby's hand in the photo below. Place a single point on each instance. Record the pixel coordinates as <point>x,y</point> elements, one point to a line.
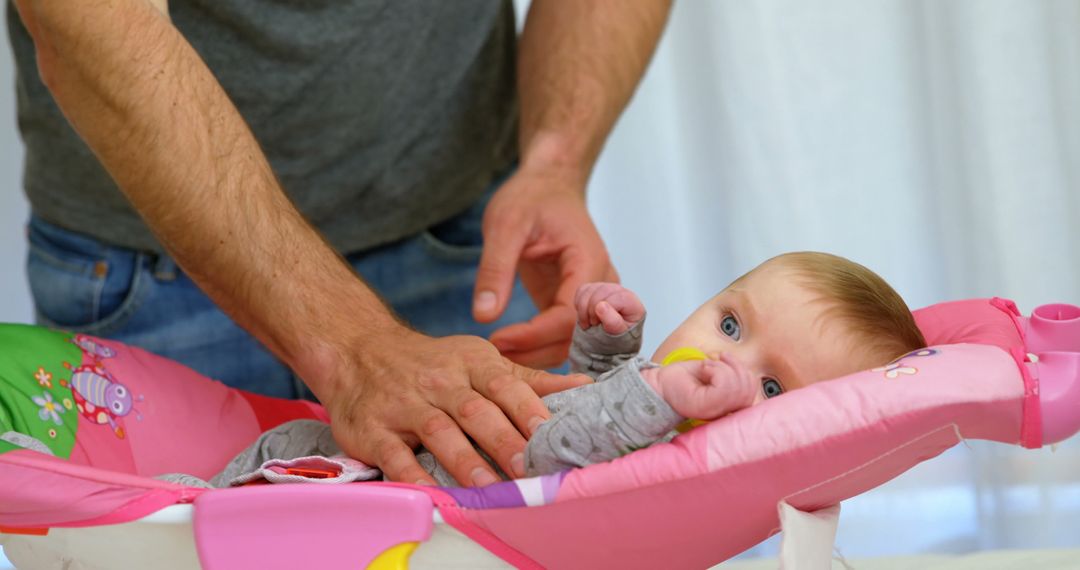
<point>704,389</point>
<point>608,304</point>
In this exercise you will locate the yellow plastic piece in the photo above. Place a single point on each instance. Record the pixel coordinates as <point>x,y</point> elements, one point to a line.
<point>684,354</point>
<point>394,558</point>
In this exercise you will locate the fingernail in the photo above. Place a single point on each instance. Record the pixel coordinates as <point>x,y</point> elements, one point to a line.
<point>484,302</point>
<point>423,482</point>
<point>502,345</point>
<point>481,477</point>
<point>517,463</point>
<point>534,424</point>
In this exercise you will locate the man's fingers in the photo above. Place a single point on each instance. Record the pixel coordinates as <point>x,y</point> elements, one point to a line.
<point>487,423</point>
<point>544,383</point>
<point>398,462</point>
<point>553,325</point>
<point>498,265</point>
<point>550,356</point>
<point>441,435</point>
<point>516,399</point>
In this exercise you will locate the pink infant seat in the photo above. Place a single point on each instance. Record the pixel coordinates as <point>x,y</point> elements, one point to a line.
<point>707,495</point>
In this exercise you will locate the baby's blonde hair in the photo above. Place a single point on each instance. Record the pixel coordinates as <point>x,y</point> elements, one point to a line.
<point>860,300</point>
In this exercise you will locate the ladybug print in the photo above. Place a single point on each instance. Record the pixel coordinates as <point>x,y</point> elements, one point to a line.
<point>99,397</point>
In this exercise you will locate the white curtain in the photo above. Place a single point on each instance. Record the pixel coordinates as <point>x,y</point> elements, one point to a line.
<point>14,292</point>
<point>936,142</point>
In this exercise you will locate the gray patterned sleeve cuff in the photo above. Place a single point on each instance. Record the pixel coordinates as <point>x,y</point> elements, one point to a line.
<point>595,352</point>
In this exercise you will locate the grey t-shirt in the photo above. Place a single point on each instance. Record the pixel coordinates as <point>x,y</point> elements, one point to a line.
<point>379,117</point>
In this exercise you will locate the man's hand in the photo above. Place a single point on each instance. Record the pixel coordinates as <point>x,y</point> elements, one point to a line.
<point>705,389</point>
<point>410,389</point>
<point>578,64</point>
<point>537,224</point>
<point>610,305</point>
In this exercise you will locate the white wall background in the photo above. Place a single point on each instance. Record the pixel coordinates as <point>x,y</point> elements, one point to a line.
<point>937,143</point>
<point>14,292</point>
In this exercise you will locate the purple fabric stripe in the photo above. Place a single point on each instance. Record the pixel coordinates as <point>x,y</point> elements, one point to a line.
<point>550,485</point>
<point>497,496</point>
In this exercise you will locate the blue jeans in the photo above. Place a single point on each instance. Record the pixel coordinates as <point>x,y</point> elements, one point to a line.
<point>82,285</point>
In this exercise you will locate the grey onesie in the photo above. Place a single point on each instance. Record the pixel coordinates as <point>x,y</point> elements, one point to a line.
<point>609,418</point>
<point>617,414</point>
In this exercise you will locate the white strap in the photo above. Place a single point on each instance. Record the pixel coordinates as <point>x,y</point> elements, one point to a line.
<point>808,538</point>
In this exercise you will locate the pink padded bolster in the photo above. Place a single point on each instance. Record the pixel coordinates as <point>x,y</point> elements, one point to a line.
<point>1045,347</point>
<point>712,492</point>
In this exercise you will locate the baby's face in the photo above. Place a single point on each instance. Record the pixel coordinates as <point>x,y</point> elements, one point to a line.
<point>775,326</point>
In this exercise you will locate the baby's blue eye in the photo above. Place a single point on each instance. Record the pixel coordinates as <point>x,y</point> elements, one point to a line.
<point>730,327</point>
<point>771,388</point>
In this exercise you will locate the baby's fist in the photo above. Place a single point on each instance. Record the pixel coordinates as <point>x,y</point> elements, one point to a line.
<point>608,304</point>
<point>704,389</point>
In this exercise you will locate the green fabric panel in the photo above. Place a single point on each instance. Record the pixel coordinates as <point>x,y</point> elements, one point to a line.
<point>35,394</point>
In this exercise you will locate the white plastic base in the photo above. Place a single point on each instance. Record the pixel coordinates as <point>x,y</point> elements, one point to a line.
<point>165,541</point>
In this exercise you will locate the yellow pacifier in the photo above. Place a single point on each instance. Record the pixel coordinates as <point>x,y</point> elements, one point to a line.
<point>685,354</point>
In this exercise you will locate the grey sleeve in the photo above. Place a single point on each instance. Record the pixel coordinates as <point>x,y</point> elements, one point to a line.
<point>598,422</point>
<point>595,352</point>
<point>26,442</point>
<point>298,438</point>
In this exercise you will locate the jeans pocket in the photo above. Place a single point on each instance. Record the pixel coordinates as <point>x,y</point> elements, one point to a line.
<point>458,239</point>
<point>461,238</point>
<point>79,284</point>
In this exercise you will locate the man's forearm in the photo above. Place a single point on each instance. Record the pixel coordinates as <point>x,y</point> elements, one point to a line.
<point>578,65</point>
<point>159,122</point>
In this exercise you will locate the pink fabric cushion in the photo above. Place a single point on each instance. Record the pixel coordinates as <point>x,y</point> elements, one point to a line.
<point>180,422</point>
<point>713,492</point>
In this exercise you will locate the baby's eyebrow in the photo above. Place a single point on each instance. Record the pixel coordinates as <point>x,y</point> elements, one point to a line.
<point>747,311</point>
<point>788,377</point>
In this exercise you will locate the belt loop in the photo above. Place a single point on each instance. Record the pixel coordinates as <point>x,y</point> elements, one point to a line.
<point>164,267</point>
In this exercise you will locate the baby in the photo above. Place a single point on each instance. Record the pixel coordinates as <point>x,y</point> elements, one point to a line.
<point>794,320</point>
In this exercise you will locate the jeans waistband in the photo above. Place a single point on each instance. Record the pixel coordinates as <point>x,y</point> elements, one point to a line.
<point>163,267</point>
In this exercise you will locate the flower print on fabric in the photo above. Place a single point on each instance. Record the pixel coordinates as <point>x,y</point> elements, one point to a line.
<point>35,395</point>
<point>44,378</point>
<point>49,408</point>
<point>919,353</point>
<point>895,369</point>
